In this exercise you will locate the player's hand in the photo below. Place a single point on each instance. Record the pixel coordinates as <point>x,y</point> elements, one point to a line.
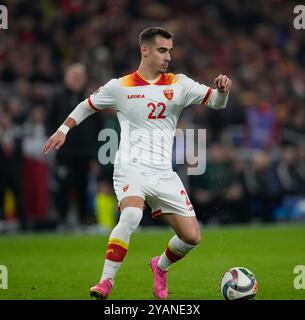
<point>223,83</point>
<point>55,141</point>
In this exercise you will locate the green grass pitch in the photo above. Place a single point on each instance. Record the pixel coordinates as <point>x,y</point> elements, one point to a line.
<point>51,266</point>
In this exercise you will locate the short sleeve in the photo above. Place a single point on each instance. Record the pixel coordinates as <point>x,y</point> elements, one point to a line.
<point>194,92</point>
<point>104,97</point>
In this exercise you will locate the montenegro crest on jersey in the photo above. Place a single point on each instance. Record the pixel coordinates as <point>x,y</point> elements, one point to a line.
<point>125,188</point>
<point>169,94</point>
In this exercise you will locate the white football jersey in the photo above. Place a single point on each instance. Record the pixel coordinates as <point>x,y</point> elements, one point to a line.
<point>148,115</point>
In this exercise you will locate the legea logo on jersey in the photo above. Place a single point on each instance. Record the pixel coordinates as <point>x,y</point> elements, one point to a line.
<point>136,96</point>
<point>3,17</point>
<point>154,148</point>
<point>299,280</point>
<point>299,20</point>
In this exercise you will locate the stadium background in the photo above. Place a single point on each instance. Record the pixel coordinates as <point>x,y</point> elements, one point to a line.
<point>256,149</point>
<point>255,159</point>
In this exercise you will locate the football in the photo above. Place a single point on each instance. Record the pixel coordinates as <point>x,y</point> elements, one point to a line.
<point>238,283</point>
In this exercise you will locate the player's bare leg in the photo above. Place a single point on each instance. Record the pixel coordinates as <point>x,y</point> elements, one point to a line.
<point>186,228</point>
<point>131,215</point>
<point>187,237</point>
<point>133,201</point>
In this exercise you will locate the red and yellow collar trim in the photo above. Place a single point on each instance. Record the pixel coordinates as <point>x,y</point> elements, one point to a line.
<point>134,79</point>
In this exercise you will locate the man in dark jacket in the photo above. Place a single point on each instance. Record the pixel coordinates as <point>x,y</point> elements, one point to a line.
<point>73,162</point>
<point>11,166</point>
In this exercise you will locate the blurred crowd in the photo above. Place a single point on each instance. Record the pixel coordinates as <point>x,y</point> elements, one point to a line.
<point>55,53</point>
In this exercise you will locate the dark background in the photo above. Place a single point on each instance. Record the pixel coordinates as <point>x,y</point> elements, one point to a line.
<point>255,147</point>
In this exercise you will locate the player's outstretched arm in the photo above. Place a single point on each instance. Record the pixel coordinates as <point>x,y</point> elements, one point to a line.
<point>59,137</point>
<point>80,113</point>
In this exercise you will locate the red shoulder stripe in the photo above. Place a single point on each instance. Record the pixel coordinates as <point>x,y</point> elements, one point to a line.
<point>206,98</point>
<point>92,105</point>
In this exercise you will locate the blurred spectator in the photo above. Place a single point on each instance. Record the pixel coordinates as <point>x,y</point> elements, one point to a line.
<point>262,129</point>
<point>17,111</point>
<point>294,130</point>
<point>35,167</point>
<point>72,161</point>
<point>288,174</point>
<point>11,166</point>
<point>292,185</point>
<point>262,187</point>
<point>218,193</point>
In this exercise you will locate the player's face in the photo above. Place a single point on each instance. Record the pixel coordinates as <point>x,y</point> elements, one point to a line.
<point>159,54</point>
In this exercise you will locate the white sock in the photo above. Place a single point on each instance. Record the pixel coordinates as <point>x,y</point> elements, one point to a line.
<point>164,263</point>
<point>110,270</point>
<point>176,250</point>
<point>120,236</point>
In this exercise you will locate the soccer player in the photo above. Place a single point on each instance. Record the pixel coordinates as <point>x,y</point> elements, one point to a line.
<point>148,103</point>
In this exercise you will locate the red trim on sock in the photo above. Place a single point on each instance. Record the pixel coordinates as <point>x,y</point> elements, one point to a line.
<point>172,256</point>
<point>115,252</point>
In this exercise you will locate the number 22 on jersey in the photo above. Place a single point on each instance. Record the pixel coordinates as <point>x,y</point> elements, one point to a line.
<point>157,111</point>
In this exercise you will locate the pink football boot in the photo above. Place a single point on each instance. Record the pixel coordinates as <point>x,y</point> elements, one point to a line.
<point>160,279</point>
<point>101,290</point>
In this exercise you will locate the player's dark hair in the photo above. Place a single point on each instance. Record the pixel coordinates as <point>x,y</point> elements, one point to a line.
<point>149,34</point>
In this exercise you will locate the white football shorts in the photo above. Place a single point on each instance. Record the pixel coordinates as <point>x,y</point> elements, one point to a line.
<point>163,191</point>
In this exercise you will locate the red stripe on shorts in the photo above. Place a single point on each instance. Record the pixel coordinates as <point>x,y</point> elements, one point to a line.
<point>156,213</point>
